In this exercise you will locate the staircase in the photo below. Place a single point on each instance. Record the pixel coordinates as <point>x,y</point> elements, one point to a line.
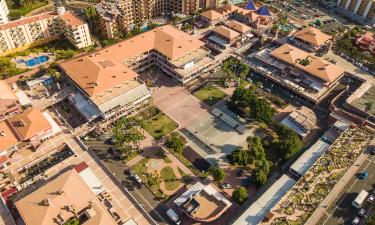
<point>198,141</point>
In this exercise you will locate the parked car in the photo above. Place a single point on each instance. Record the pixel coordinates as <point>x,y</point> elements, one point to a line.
<point>370,198</point>
<point>361,212</point>
<point>225,186</point>
<point>173,216</point>
<point>239,173</point>
<point>363,175</point>
<point>246,181</point>
<point>136,178</point>
<point>355,221</point>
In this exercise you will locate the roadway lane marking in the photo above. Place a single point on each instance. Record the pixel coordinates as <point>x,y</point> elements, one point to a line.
<point>344,196</point>
<point>149,205</point>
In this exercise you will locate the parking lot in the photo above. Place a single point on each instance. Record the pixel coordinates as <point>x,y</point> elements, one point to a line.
<point>344,212</point>
<point>308,14</point>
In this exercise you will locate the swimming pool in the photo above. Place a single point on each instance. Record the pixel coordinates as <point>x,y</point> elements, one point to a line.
<point>37,60</point>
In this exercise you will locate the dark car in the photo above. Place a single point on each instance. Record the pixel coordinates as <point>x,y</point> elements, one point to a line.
<point>246,181</point>
<point>239,173</point>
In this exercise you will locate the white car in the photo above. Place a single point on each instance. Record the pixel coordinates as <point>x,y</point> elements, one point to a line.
<point>370,198</point>
<point>361,212</point>
<point>355,221</point>
<point>136,178</point>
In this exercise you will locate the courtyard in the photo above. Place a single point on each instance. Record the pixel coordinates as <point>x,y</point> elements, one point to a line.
<point>161,173</point>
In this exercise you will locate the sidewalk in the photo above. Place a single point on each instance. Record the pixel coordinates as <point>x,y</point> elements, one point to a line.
<point>337,189</point>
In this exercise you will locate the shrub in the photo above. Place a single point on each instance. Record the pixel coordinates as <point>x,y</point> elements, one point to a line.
<point>240,195</point>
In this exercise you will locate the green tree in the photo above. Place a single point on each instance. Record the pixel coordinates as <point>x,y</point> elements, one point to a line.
<point>256,148</point>
<point>239,157</point>
<point>241,97</point>
<point>153,179</point>
<point>235,69</point>
<point>240,195</point>
<point>262,111</point>
<point>217,173</point>
<point>54,73</point>
<point>289,142</point>
<point>176,143</point>
<point>260,173</point>
<point>128,131</point>
<point>371,220</point>
<point>90,13</point>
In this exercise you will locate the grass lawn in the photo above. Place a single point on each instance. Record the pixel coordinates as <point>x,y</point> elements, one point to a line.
<point>18,12</point>
<point>170,180</point>
<point>185,177</point>
<point>140,167</point>
<point>160,125</point>
<point>210,95</point>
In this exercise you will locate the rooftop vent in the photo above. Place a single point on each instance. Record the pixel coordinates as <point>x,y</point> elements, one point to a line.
<point>2,133</point>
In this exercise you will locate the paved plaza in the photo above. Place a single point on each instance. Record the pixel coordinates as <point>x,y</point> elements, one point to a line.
<point>176,102</point>
<point>220,135</point>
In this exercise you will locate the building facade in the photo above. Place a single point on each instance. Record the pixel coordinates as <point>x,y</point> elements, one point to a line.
<point>4,11</point>
<point>120,16</point>
<point>362,11</point>
<point>21,34</point>
<point>109,78</point>
<point>250,15</point>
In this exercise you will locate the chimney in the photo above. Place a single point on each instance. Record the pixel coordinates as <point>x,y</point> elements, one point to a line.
<point>2,133</point>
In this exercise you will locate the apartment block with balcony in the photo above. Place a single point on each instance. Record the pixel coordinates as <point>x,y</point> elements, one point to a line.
<point>4,12</point>
<point>21,34</point>
<point>360,11</point>
<point>116,16</point>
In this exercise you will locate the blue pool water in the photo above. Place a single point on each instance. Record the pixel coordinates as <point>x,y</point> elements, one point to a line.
<point>37,60</point>
<point>145,28</point>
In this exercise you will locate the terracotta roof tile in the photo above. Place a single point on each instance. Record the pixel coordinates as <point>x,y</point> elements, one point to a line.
<point>57,198</point>
<point>318,67</point>
<point>28,124</point>
<point>104,69</point>
<point>312,35</point>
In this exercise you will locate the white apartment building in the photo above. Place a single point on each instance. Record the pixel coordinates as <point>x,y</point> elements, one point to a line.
<point>21,34</point>
<point>4,11</point>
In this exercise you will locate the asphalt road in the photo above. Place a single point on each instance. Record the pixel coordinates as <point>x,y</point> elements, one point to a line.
<point>344,213</point>
<point>143,196</point>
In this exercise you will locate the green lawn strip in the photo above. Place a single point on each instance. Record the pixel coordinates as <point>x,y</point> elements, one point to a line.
<point>170,180</point>
<point>167,160</point>
<point>160,125</point>
<point>186,178</point>
<point>210,95</point>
